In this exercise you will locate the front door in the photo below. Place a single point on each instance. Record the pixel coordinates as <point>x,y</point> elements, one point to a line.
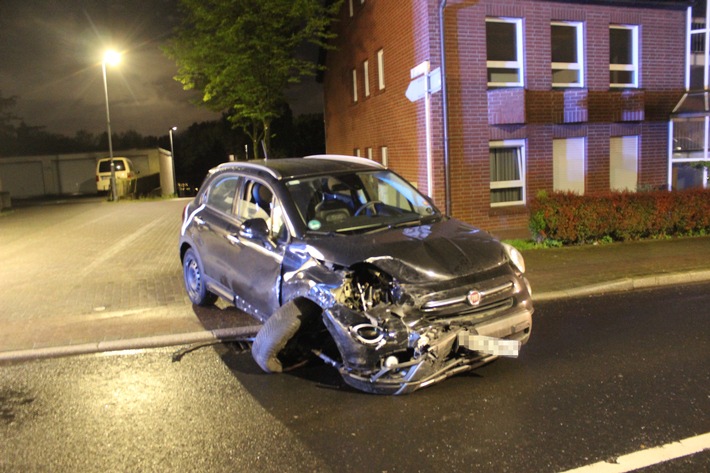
<point>256,264</point>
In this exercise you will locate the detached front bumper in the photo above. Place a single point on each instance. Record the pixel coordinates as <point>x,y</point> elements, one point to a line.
<point>439,352</point>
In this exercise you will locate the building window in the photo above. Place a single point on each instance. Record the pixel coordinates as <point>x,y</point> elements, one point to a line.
<point>567,54</point>
<point>568,165</point>
<point>354,85</point>
<point>507,163</point>
<point>350,6</point>
<point>384,156</point>
<point>366,73</point>
<point>504,50</point>
<point>623,56</point>
<point>368,152</point>
<point>689,163</point>
<point>381,69</point>
<point>356,152</point>
<point>623,163</point>
<point>697,60</point>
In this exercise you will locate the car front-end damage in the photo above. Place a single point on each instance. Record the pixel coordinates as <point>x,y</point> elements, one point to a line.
<point>394,337</point>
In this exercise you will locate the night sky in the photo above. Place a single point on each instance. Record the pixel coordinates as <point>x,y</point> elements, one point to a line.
<point>50,59</point>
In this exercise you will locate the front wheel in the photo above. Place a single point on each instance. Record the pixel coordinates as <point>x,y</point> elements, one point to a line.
<point>278,346</point>
<point>193,275</point>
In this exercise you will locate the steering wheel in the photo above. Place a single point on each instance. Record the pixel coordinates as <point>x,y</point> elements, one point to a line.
<point>371,203</point>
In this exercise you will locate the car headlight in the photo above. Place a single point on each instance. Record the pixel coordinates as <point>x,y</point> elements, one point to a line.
<point>515,257</point>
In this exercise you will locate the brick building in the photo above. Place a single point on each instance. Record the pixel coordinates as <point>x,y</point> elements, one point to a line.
<point>540,95</point>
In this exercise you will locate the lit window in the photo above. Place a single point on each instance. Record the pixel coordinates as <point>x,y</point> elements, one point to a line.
<point>504,50</point>
<point>381,69</point>
<point>354,85</point>
<point>384,155</point>
<point>507,161</point>
<point>623,164</point>
<point>567,54</point>
<point>350,5</point>
<point>366,73</point>
<point>623,56</point>
<point>568,165</point>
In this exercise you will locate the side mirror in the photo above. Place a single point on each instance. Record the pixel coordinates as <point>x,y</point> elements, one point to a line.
<point>255,229</point>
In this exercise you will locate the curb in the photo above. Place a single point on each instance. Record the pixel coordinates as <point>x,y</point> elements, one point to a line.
<point>207,336</point>
<point>627,284</point>
<point>158,341</point>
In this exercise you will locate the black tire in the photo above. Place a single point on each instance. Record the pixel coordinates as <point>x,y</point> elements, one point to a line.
<point>276,347</point>
<point>193,272</point>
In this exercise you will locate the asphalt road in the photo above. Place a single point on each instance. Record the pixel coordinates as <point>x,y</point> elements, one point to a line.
<point>600,378</point>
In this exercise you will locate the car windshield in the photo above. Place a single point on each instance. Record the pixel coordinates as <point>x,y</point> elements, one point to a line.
<point>358,201</point>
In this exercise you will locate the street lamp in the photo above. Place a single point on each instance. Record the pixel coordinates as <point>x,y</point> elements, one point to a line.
<point>111,58</point>
<point>172,157</point>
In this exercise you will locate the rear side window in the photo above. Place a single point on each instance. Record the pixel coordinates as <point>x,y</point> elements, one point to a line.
<point>222,192</point>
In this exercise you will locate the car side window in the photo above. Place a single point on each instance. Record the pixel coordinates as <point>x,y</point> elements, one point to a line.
<point>221,194</point>
<point>256,200</point>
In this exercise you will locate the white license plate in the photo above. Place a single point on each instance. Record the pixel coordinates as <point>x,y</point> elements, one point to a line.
<point>489,345</point>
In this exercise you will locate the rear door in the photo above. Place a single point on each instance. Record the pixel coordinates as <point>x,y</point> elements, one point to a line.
<point>214,225</point>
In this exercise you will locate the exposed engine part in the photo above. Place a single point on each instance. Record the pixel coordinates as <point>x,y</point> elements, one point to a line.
<point>366,287</point>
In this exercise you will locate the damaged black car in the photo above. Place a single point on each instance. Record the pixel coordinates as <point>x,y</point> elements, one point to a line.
<point>342,259</point>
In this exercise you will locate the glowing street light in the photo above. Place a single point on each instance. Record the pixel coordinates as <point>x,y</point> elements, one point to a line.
<point>111,58</point>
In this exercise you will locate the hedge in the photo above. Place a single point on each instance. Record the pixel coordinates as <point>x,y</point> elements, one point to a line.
<point>619,216</point>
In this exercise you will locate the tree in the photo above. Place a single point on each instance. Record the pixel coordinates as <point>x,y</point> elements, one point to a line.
<point>7,129</point>
<point>242,54</point>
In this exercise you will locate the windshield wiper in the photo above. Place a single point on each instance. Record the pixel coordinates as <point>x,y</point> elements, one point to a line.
<point>418,220</point>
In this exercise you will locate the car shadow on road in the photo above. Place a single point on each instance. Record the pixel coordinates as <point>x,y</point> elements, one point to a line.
<point>223,316</point>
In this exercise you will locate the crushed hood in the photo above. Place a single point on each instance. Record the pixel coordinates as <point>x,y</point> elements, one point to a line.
<point>438,251</point>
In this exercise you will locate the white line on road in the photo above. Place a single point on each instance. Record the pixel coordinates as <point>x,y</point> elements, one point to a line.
<point>119,246</point>
<point>651,456</point>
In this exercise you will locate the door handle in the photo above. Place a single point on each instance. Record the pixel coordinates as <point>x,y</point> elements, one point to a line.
<point>198,220</point>
<point>234,240</point>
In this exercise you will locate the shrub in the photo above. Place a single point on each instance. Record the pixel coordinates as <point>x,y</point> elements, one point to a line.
<point>619,216</point>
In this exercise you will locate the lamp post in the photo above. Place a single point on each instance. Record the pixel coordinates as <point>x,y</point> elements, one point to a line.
<point>112,58</point>
<point>172,157</point>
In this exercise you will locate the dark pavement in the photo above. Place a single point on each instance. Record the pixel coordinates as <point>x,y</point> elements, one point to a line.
<point>85,275</point>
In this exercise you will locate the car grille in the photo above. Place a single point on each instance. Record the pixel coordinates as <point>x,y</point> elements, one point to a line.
<point>494,300</point>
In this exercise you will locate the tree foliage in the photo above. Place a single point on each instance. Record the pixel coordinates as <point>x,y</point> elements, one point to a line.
<point>7,130</point>
<point>242,54</point>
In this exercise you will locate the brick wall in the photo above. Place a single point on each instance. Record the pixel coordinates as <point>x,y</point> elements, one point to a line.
<point>408,33</point>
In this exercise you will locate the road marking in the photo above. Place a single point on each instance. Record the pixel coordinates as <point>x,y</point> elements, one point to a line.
<point>119,246</point>
<point>651,456</point>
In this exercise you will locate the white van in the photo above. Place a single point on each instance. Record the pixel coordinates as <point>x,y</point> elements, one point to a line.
<point>123,168</point>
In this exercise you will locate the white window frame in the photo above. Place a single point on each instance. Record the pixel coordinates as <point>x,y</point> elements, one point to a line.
<point>381,69</point>
<point>354,85</point>
<point>366,74</point>
<point>623,163</point>
<point>519,51</point>
<point>518,183</point>
<point>567,177</point>
<point>572,66</point>
<point>634,67</point>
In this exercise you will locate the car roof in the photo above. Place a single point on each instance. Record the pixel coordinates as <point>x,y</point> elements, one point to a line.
<point>288,168</point>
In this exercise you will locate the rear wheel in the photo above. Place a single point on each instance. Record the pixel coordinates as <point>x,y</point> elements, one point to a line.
<point>193,275</point>
<point>279,345</point>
